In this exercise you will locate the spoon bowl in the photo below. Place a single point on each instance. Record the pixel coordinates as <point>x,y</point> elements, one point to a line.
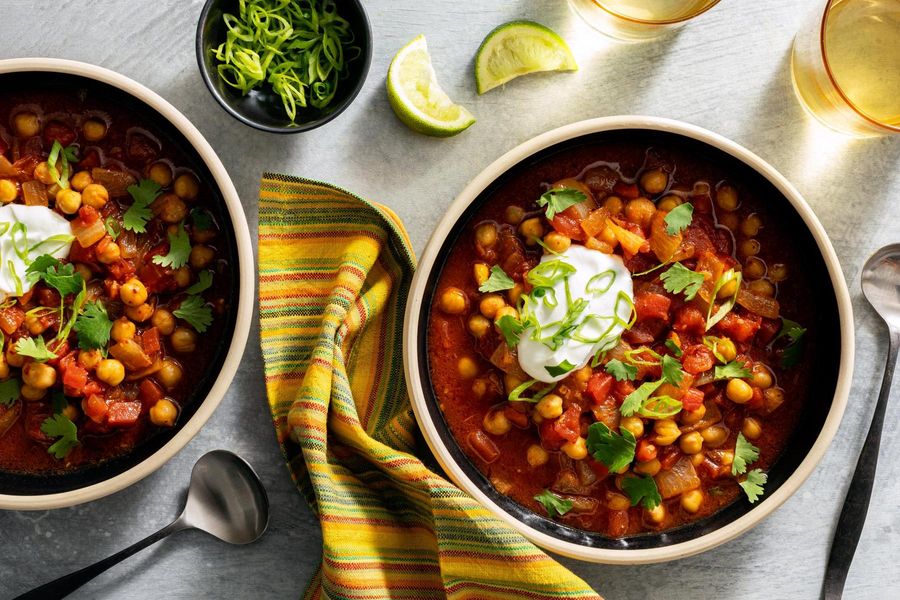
<point>881,284</point>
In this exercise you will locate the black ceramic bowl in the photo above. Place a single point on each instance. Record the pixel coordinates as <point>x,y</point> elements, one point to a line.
<point>262,108</point>
<point>831,322</point>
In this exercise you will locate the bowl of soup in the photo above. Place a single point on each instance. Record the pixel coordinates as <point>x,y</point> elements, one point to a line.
<point>630,339</point>
<point>126,286</point>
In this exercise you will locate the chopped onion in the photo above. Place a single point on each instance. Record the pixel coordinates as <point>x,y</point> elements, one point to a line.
<point>760,305</point>
<point>35,193</point>
<point>682,477</point>
<point>6,168</point>
<point>88,234</point>
<point>115,182</point>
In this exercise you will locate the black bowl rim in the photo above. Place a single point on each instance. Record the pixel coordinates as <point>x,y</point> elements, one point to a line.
<point>207,79</point>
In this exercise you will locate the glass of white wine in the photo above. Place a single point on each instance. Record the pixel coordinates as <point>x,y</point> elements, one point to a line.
<point>845,66</point>
<point>636,20</point>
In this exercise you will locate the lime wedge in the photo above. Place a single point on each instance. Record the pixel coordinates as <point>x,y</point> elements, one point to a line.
<point>416,97</point>
<point>518,48</point>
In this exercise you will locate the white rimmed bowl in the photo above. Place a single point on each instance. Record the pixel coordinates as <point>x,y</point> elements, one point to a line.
<point>67,489</point>
<point>826,400</point>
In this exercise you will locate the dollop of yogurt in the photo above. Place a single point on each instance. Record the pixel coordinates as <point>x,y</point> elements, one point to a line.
<point>605,285</point>
<point>27,232</point>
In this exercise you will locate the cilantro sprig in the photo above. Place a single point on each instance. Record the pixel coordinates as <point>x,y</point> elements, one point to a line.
<point>195,311</point>
<point>620,370</point>
<point>614,450</point>
<point>679,218</point>
<point>559,200</point>
<point>93,326</point>
<point>35,348</point>
<point>642,490</point>
<point>204,282</point>
<point>179,250</point>
<point>733,370</point>
<point>61,427</point>
<point>753,484</point>
<point>51,271</point>
<point>136,217</point>
<point>553,504</point>
<point>792,353</point>
<point>9,391</point>
<point>678,279</point>
<point>745,454</point>
<point>640,401</point>
<point>497,281</point>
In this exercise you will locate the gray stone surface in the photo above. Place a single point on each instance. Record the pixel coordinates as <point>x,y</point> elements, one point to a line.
<point>727,71</point>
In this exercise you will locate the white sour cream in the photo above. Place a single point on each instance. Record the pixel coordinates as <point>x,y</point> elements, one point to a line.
<point>596,323</point>
<point>27,232</point>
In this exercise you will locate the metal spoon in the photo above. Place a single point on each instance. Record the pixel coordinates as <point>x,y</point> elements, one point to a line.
<point>226,499</point>
<point>881,286</point>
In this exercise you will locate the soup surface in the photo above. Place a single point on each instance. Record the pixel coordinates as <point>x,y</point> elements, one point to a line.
<point>112,313</point>
<point>616,338</point>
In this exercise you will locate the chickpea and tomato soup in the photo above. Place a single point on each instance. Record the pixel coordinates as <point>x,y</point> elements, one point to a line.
<point>112,282</point>
<point>614,339</point>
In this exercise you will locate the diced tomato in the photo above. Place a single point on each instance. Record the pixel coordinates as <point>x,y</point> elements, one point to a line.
<point>690,320</point>
<point>622,389</point>
<point>56,131</point>
<point>11,318</point>
<point>692,400</point>
<point>550,438</point>
<point>150,341</point>
<point>122,270</point>
<point>25,165</point>
<point>740,328</point>
<point>599,469</point>
<point>151,392</point>
<point>650,305</point>
<point>60,349</point>
<point>697,359</point>
<point>517,418</point>
<point>599,386</point>
<point>75,378</point>
<point>568,425</point>
<point>702,203</point>
<point>645,450</point>
<point>80,254</point>
<point>768,330</point>
<point>568,226</point>
<point>628,191</point>
<point>90,160</point>
<point>94,387</point>
<point>157,278</point>
<point>670,456</point>
<point>758,401</point>
<point>123,414</point>
<point>94,408</point>
<point>87,215</point>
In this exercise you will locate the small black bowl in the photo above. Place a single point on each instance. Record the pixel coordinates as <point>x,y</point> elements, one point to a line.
<point>262,108</point>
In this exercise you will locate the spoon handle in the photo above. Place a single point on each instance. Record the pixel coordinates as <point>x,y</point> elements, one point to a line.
<point>65,585</point>
<point>856,504</point>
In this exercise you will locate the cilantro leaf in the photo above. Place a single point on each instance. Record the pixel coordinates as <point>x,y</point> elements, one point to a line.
<point>9,391</point>
<point>136,217</point>
<point>35,348</point>
<point>201,219</point>
<point>195,312</point>
<point>93,326</point>
<point>791,354</point>
<point>733,370</point>
<point>678,279</point>
<point>497,281</point>
<point>39,266</point>
<point>71,153</point>
<point>179,250</point>
<point>553,504</point>
<point>559,200</point>
<point>60,426</point>
<point>674,348</point>
<point>204,282</point>
<point>63,279</point>
<point>621,371</point>
<point>560,369</point>
<point>643,490</point>
<point>671,370</point>
<point>679,218</point>
<point>511,329</point>
<point>636,399</point>
<point>59,402</point>
<point>753,484</point>
<point>615,450</point>
<point>745,454</point>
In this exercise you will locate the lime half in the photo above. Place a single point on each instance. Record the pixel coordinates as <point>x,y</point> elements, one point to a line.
<point>518,48</point>
<point>416,97</point>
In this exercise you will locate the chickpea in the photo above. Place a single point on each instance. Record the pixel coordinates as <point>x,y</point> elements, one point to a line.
<point>506,311</point>
<point>479,387</point>
<point>29,392</point>
<point>536,456</point>
<point>616,501</point>
<point>94,195</point>
<point>183,340</point>
<point>169,374</point>
<point>726,348</point>
<point>68,201</point>
<point>557,242</point>
<point>751,428</point>
<point>94,130</point>
<point>453,301</point>
<point>654,181</point>
<point>692,501</point>
<point>697,459</point>
<point>89,359</point>
<point>496,423</point>
<point>778,272</point>
<point>669,202</point>
<point>714,435</point>
<point>691,417</point>
<point>70,412</point>
<point>632,424</point>
<point>576,450</point>
<point>727,197</point>
<point>481,272</point>
<point>691,443</point>
<point>110,371</point>
<point>38,375</point>
<point>511,382</point>
<point>161,174</point>
<point>34,324</point>
<point>762,287</point>
<point>42,173</point>
<point>163,413</point>
<point>550,406</point>
<point>26,124</point>
<point>532,229</point>
<point>486,235</point>
<point>490,304</point>
<point>479,326</point>
<point>614,205</point>
<point>139,314</point>
<point>123,329</point>
<point>81,180</point>
<point>513,214</point>
<point>656,515</point>
<point>467,367</point>
<point>170,208</point>
<point>583,375</point>
<point>8,191</point>
<point>640,211</point>
<point>514,293</point>
<point>730,220</point>
<point>183,277</point>
<point>751,225</point>
<point>754,268</point>
<point>762,377</point>
<point>666,431</point>
<point>749,247</point>
<point>110,253</point>
<point>738,391</point>
<point>650,467</point>
<point>13,359</point>
<point>201,256</point>
<point>187,186</point>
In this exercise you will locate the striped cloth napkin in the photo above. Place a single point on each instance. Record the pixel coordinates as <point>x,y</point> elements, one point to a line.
<point>334,274</point>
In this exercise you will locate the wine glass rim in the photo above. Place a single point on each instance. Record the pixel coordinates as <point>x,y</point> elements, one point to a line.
<point>655,21</point>
<point>880,124</point>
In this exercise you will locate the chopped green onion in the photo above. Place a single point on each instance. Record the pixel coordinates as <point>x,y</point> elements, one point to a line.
<point>601,282</point>
<point>725,307</point>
